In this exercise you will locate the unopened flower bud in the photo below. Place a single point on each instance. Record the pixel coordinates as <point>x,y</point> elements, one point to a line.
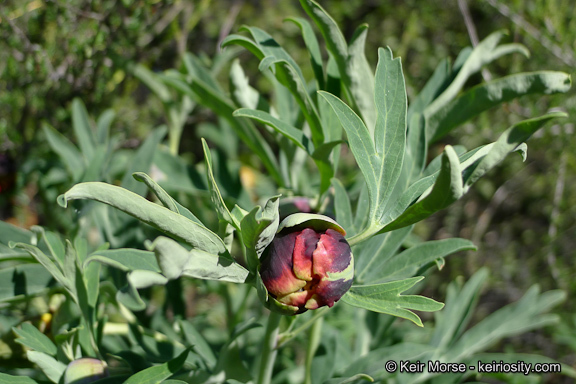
<point>84,371</point>
<point>308,265</point>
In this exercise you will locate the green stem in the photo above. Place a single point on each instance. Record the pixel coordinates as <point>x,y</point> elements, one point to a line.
<point>269,348</point>
<point>313,342</point>
<point>286,337</point>
<point>364,235</point>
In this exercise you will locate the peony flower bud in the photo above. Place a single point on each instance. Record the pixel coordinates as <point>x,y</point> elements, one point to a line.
<point>308,265</point>
<point>84,371</point>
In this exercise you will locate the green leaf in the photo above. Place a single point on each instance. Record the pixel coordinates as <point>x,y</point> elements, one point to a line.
<point>125,259</point>
<point>352,379</point>
<point>380,160</point>
<point>333,37</point>
<point>159,217</point>
<point>390,130</point>
<point>217,200</point>
<point>362,78</point>
<point>46,263</point>
<point>526,314</point>
<point>24,280</point>
<point>224,108</point>
<point>164,197</point>
<point>159,373</point>
<point>32,338</point>
<point>461,302</point>
<point>175,261</point>
<point>142,161</point>
<point>82,128</point>
<point>52,368</point>
<point>387,298</point>
<point>343,208</point>
<point>258,230</point>
<point>293,134</point>
<point>153,82</point>
<point>374,255</point>
<point>506,143</point>
<point>407,263</point>
<point>8,379</point>
<point>447,189</point>
<point>485,96</point>
<point>103,127</point>
<point>198,343</point>
<point>71,157</point>
<point>485,52</point>
<point>313,48</point>
<point>242,92</point>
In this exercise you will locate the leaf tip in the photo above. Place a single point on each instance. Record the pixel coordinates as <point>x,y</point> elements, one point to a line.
<point>62,201</point>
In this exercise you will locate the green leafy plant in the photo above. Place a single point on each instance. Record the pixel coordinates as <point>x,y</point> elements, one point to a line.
<point>307,129</point>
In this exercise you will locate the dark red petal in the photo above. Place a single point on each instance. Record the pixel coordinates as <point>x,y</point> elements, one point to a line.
<point>332,253</point>
<point>276,268</point>
<point>303,249</point>
<point>328,292</point>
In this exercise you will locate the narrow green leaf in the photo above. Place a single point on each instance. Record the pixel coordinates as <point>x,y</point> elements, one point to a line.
<point>461,302</point>
<point>52,368</point>
<point>208,97</point>
<point>198,343</point>
<point>125,259</point>
<point>390,130</point>
<point>293,134</point>
<point>333,37</point>
<point>374,255</point>
<point>313,48</point>
<point>175,260</point>
<point>159,373</point>
<point>506,143</point>
<point>407,263</point>
<point>144,279</point>
<point>447,189</point>
<point>359,139</point>
<point>153,82</point>
<point>258,230</point>
<point>103,127</point>
<point>242,92</point>
<point>387,298</point>
<point>7,379</point>
<point>343,208</point>
<point>485,96</point>
<point>32,338</point>
<point>485,52</point>
<point>526,314</point>
<point>362,77</point>
<point>71,157</point>
<point>46,263</point>
<point>83,128</point>
<point>217,200</point>
<point>142,161</point>
<point>245,42</point>
<point>25,280</point>
<point>164,197</point>
<point>159,217</point>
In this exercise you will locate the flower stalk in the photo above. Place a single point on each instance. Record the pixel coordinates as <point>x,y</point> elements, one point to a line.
<point>269,348</point>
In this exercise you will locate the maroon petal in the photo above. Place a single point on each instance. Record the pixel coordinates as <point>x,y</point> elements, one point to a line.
<point>276,269</point>
<point>328,292</point>
<point>303,250</point>
<point>332,253</point>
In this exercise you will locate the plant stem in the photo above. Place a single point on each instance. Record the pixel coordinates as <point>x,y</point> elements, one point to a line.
<point>364,235</point>
<point>286,337</point>
<point>313,342</point>
<point>269,348</point>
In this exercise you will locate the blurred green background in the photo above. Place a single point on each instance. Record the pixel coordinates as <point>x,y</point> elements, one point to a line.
<point>522,217</point>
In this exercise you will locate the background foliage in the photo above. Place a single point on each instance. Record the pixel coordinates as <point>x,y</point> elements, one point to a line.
<point>521,218</point>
